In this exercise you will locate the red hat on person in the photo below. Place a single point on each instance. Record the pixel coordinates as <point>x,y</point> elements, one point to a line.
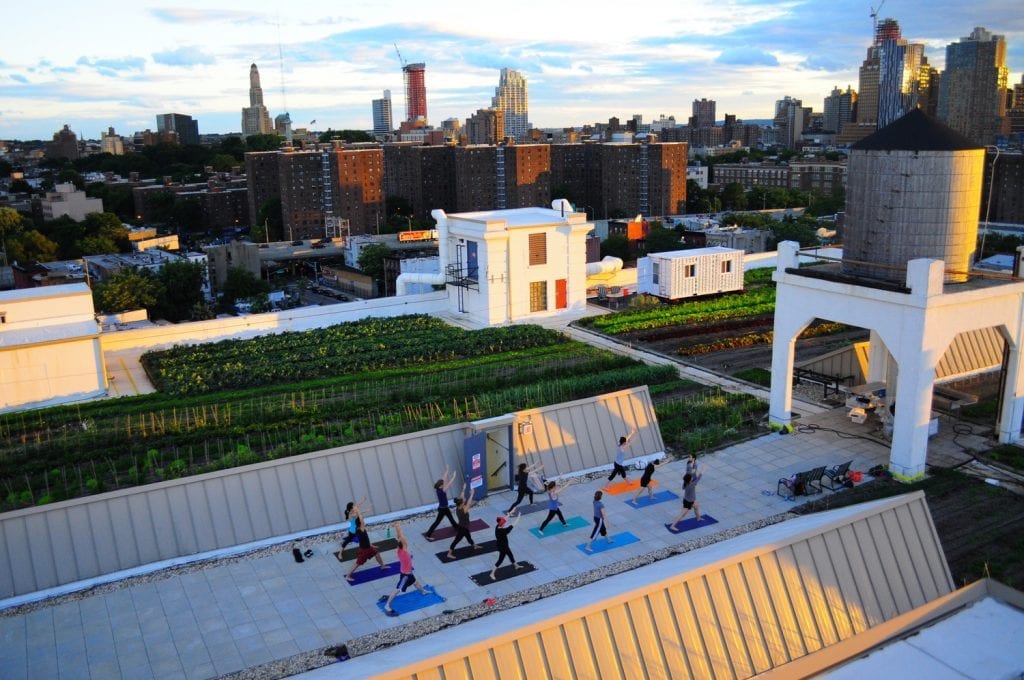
<point>501,521</point>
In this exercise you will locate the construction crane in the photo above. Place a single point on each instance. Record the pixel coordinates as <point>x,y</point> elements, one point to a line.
<point>400,60</point>
<point>874,19</point>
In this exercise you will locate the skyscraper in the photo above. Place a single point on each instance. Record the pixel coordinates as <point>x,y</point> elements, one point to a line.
<point>415,92</point>
<point>382,114</point>
<point>902,79</point>
<point>511,97</point>
<point>972,90</point>
<point>255,117</point>
<point>184,127</point>
<point>703,113</point>
<point>790,120</point>
<point>838,108</point>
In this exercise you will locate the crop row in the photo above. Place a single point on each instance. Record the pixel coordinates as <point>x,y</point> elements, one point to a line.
<point>755,339</point>
<point>147,457</point>
<point>748,303</point>
<point>291,357</point>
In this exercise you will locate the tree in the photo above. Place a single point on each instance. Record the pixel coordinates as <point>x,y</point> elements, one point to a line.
<point>271,142</point>
<point>20,186</point>
<point>159,205</point>
<point>240,284</point>
<point>802,230</point>
<point>371,260</point>
<point>125,290</point>
<point>347,136</point>
<point>733,196</point>
<point>71,176</point>
<point>31,246</point>
<point>109,226</point>
<point>181,286</point>
<point>269,215</point>
<point>616,245</point>
<point>223,162</point>
<point>660,240</point>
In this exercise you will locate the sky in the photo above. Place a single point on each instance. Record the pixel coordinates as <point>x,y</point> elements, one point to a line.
<point>96,64</point>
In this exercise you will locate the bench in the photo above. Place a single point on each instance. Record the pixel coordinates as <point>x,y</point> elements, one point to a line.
<point>836,476</point>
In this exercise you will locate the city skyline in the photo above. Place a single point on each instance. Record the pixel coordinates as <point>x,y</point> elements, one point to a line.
<point>583,64</point>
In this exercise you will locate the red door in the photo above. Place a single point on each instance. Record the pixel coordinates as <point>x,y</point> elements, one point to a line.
<point>561,294</point>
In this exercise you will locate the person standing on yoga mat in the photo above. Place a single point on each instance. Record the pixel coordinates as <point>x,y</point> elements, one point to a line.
<point>405,576</point>
<point>554,504</point>
<point>619,466</point>
<point>501,531</point>
<point>462,506</point>
<point>366,550</point>
<point>523,484</point>
<point>441,487</point>
<point>689,496</point>
<point>350,509</point>
<point>600,521</point>
<point>645,479</point>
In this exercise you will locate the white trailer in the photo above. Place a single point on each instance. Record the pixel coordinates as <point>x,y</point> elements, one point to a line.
<point>681,274</point>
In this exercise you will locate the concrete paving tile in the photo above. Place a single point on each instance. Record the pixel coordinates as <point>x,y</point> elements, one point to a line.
<point>228,661</point>
<point>200,671</point>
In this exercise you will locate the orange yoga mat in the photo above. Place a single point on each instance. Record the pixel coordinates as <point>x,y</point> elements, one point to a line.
<point>629,486</point>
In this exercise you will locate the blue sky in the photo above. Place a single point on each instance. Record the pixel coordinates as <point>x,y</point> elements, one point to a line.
<point>97,64</point>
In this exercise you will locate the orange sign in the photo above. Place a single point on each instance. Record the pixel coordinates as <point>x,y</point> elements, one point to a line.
<point>424,235</point>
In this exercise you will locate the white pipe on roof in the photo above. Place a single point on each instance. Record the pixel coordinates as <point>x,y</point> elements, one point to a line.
<point>608,265</point>
<point>435,279</point>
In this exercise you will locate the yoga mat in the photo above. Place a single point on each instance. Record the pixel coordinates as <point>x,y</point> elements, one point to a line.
<point>365,573</point>
<point>382,546</point>
<point>645,501</point>
<point>691,523</point>
<point>411,600</point>
<point>505,571</point>
<point>464,551</point>
<point>629,486</point>
<point>531,508</point>
<point>555,527</point>
<point>443,532</point>
<point>601,545</point>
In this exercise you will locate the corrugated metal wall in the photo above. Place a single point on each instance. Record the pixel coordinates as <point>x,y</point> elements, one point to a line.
<point>62,543</point>
<point>738,617</point>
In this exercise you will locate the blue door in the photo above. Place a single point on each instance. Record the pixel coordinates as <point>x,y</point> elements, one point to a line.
<point>474,466</point>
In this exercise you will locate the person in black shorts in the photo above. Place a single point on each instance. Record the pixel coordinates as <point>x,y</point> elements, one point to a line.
<point>441,487</point>
<point>523,484</point>
<point>645,479</point>
<point>619,465</point>
<point>462,506</point>
<point>501,531</point>
<point>405,576</point>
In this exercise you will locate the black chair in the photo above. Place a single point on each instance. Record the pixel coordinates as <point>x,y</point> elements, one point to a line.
<point>814,477</point>
<point>835,476</point>
<point>794,486</point>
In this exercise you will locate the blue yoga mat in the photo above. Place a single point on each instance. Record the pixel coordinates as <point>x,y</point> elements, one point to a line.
<point>365,573</point>
<point>660,497</point>
<point>601,545</point>
<point>691,523</point>
<point>411,600</point>
<point>555,527</point>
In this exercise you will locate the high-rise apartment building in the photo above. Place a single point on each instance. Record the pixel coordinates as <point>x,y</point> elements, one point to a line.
<point>283,126</point>
<point>703,113</point>
<point>178,126</point>
<point>64,145</point>
<point>499,177</point>
<point>791,117</point>
<point>382,124</point>
<point>111,142</point>
<point>838,108</point>
<point>972,90</point>
<point>415,76</point>
<point>486,126</point>
<point>255,117</point>
<point>319,185</point>
<point>510,97</point>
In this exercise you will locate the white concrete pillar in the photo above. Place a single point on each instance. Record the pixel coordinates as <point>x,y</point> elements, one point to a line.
<point>1012,410</point>
<point>790,320</point>
<point>920,347</point>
